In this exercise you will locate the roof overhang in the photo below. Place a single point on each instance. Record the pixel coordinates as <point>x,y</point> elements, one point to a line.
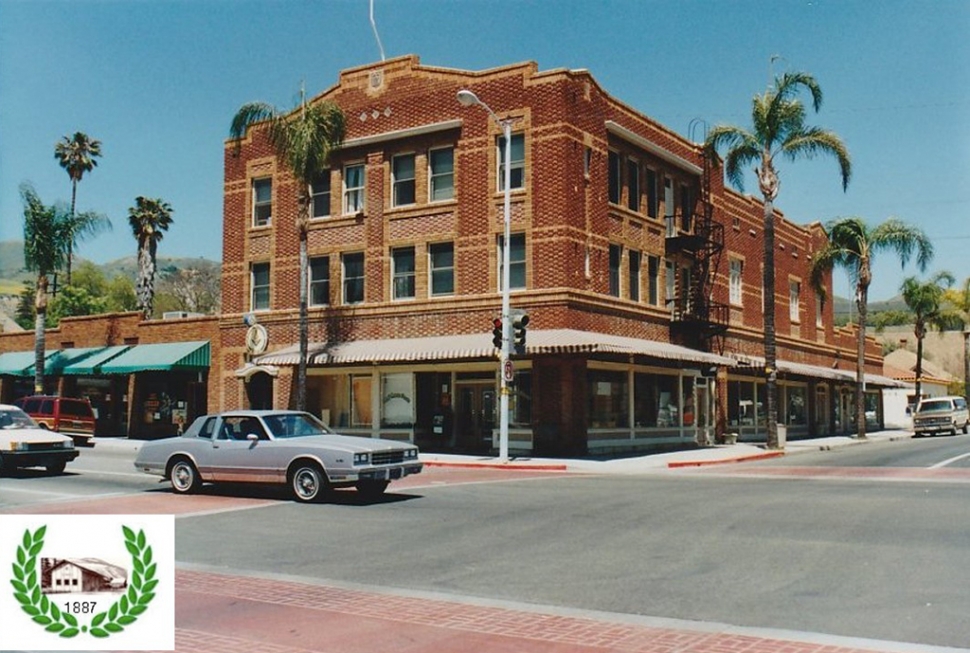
<point>632,137</point>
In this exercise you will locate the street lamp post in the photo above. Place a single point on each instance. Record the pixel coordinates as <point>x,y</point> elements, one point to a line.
<point>467,98</point>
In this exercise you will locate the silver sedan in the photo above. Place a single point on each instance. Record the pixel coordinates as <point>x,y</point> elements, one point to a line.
<point>277,446</point>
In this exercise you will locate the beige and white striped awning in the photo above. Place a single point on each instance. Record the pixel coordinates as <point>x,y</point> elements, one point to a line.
<point>478,346</point>
<point>816,371</point>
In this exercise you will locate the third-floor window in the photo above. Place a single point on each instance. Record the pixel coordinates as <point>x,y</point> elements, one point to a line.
<point>402,174</point>
<point>441,178</point>
<point>262,202</point>
<point>320,195</point>
<point>354,188</point>
<point>517,169</point>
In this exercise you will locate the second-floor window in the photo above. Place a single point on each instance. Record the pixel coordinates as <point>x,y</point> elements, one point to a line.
<point>319,281</point>
<point>441,177</point>
<point>616,253</point>
<point>259,283</point>
<point>262,202</point>
<point>517,169</point>
<point>735,267</point>
<point>402,173</point>
<point>354,188</point>
<point>441,259</point>
<point>402,274</point>
<point>353,273</point>
<point>794,290</point>
<point>686,209</point>
<point>634,275</point>
<point>670,281</point>
<point>653,280</point>
<point>516,261</point>
<point>320,195</point>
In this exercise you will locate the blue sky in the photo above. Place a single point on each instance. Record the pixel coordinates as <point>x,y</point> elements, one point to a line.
<point>158,82</point>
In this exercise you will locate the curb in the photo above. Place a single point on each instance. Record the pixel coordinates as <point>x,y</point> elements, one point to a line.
<point>722,461</point>
<point>526,467</point>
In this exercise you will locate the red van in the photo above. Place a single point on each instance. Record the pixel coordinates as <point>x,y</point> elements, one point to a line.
<point>66,415</point>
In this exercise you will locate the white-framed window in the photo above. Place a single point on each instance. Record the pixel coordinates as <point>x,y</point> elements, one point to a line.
<point>402,179</point>
<point>516,261</point>
<point>319,281</point>
<point>402,273</point>
<point>634,265</point>
<point>794,290</point>
<point>616,256</point>
<point>517,169</point>
<point>398,400</point>
<point>614,176</point>
<point>633,184</point>
<point>262,202</point>
<point>735,268</point>
<point>669,207</point>
<point>441,174</point>
<point>320,195</point>
<point>441,267</point>
<point>354,188</point>
<point>353,277</point>
<point>259,287</point>
<point>653,280</point>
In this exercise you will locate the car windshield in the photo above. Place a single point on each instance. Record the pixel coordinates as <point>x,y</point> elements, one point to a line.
<point>934,406</point>
<point>294,425</point>
<point>14,418</point>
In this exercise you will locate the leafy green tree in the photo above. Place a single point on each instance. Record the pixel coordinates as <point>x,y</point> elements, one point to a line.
<point>73,301</point>
<point>26,311</point>
<point>779,130</point>
<point>46,239</point>
<point>304,139</point>
<point>852,244</point>
<point>77,154</point>
<point>925,299</point>
<point>120,293</point>
<point>149,219</point>
<point>958,299</point>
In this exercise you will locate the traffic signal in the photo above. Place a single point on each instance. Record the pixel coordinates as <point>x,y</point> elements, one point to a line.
<point>497,333</point>
<point>519,323</point>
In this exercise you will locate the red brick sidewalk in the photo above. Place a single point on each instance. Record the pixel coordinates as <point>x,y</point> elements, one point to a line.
<point>218,613</point>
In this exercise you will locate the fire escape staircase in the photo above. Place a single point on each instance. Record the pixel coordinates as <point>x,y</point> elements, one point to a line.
<point>696,320</point>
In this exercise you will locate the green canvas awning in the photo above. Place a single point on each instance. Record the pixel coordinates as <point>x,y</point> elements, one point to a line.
<point>90,365</point>
<point>58,359</point>
<point>16,363</point>
<point>167,357</point>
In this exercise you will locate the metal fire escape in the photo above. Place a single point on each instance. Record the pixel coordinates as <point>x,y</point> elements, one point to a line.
<point>696,320</point>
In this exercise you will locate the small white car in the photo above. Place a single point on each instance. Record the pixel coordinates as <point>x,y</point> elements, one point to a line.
<point>277,446</point>
<point>24,444</point>
<point>939,414</point>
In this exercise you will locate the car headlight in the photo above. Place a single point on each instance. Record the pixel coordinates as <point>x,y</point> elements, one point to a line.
<point>361,458</point>
<point>410,454</point>
<point>68,444</point>
<point>17,446</point>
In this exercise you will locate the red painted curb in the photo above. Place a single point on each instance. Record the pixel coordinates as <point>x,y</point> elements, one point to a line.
<point>520,466</point>
<point>701,463</point>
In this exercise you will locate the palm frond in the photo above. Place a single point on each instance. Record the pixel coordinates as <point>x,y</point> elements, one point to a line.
<point>814,141</point>
<point>905,240</point>
<point>249,114</point>
<point>742,148</point>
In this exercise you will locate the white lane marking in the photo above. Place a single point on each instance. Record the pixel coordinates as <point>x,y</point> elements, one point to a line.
<point>82,470</point>
<point>950,460</point>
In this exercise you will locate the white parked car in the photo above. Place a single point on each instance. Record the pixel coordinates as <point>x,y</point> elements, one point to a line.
<point>939,414</point>
<point>25,444</point>
<point>277,446</point>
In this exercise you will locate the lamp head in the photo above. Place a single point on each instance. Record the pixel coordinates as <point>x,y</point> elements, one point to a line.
<point>466,98</point>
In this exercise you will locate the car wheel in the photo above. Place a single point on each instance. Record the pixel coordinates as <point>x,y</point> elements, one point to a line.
<point>57,468</point>
<point>371,489</point>
<point>5,467</point>
<point>966,428</point>
<point>184,477</point>
<point>308,482</point>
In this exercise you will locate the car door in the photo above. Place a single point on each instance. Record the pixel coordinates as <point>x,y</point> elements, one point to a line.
<point>234,457</point>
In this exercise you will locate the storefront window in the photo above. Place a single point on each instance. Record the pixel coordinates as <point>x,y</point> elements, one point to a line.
<point>608,399</point>
<point>521,400</point>
<point>360,402</point>
<point>398,400</point>
<point>656,400</point>
<point>741,403</point>
<point>687,389</point>
<point>796,405</point>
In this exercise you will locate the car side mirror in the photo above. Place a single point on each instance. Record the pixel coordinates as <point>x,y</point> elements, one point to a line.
<point>252,437</point>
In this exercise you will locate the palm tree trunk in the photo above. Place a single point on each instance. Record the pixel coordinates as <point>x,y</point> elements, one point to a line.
<point>862,303</point>
<point>966,361</point>
<point>771,369</point>
<point>70,236</point>
<point>920,333</point>
<point>40,303</point>
<point>302,223</point>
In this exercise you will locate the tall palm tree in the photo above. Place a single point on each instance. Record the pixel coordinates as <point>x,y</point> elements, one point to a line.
<point>779,129</point>
<point>852,244</point>
<point>148,219</point>
<point>46,239</point>
<point>925,300</point>
<point>77,154</point>
<point>304,138</point>
<point>959,300</point>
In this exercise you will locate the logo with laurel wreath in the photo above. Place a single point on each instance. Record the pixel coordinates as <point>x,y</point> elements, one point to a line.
<point>47,614</point>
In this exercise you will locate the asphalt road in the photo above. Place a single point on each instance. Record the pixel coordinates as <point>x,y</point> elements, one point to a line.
<point>817,542</point>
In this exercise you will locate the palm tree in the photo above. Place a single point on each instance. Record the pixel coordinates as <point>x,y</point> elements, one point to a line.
<point>46,239</point>
<point>76,154</point>
<point>148,219</point>
<point>778,116</point>
<point>959,300</point>
<point>925,300</point>
<point>851,245</point>
<point>304,139</point>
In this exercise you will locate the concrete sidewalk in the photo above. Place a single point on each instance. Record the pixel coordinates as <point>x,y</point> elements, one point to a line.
<point>703,456</point>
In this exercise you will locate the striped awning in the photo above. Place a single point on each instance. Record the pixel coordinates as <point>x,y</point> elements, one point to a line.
<point>167,357</point>
<point>16,363</point>
<point>91,365</point>
<point>478,346</point>
<point>816,371</point>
